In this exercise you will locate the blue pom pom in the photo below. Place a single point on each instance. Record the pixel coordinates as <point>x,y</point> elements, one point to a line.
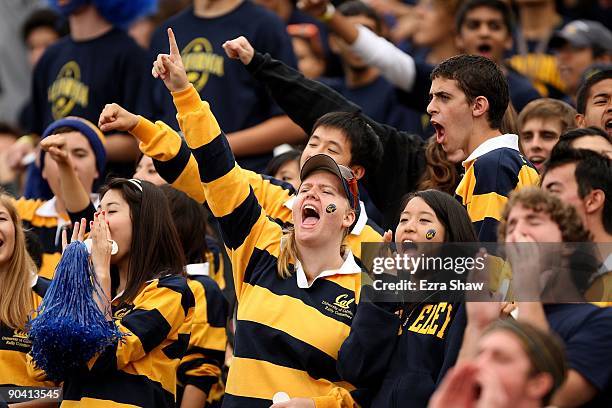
<point>121,13</point>
<point>70,329</point>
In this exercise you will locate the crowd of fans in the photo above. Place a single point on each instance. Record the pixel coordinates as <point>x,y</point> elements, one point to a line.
<point>224,161</point>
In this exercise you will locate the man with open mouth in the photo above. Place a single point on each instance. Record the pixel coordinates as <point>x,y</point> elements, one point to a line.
<point>469,96</point>
<point>594,102</point>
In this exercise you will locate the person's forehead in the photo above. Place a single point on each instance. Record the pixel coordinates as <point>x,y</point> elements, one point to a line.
<point>484,13</point>
<point>330,134</point>
<point>441,84</point>
<point>562,173</point>
<point>544,123</point>
<point>77,139</point>
<point>503,341</point>
<point>601,88</point>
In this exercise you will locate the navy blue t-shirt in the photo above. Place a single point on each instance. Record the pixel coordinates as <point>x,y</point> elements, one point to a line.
<point>586,331</point>
<point>237,100</point>
<point>77,78</point>
<point>521,90</point>
<point>379,100</point>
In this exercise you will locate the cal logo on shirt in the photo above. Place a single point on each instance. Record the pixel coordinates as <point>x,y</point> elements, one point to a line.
<point>341,306</point>
<point>200,62</point>
<point>67,91</point>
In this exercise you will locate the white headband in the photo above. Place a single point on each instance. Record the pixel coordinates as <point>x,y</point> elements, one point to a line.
<point>137,183</point>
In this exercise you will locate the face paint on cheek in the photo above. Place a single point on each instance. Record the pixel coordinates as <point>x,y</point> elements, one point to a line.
<point>430,234</point>
<point>331,208</point>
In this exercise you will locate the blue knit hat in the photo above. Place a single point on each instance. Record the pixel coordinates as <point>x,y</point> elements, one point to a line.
<point>37,186</point>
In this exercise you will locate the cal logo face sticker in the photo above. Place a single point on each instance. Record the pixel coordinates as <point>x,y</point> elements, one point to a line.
<point>67,91</point>
<point>200,62</point>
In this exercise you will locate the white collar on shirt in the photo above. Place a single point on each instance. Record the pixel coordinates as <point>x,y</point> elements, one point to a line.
<point>48,210</point>
<point>359,225</point>
<point>507,140</point>
<point>349,267</point>
<point>197,269</point>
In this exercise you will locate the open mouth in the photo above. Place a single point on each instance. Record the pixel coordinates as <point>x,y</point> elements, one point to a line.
<point>440,132</point>
<point>608,126</point>
<point>537,161</point>
<point>310,215</point>
<point>484,49</point>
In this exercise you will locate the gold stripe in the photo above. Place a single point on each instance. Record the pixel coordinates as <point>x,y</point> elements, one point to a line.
<point>230,191</point>
<point>260,379</point>
<point>488,205</point>
<point>293,317</point>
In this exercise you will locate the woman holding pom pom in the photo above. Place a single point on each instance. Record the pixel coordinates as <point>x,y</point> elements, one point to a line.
<point>151,308</point>
<point>20,293</point>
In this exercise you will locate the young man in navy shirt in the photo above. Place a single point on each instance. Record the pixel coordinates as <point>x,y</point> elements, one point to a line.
<point>254,124</point>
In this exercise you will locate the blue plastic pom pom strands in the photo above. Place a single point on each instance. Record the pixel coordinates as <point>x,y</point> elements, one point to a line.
<point>70,329</point>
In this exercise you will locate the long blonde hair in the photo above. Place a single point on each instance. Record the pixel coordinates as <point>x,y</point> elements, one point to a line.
<point>289,252</point>
<point>16,300</point>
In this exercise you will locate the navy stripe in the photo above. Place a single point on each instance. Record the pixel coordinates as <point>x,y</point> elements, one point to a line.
<point>149,326</point>
<point>215,159</point>
<point>203,382</point>
<point>375,226</point>
<point>119,387</point>
<point>497,171</point>
<point>264,343</point>
<point>178,348</point>
<point>179,284</point>
<point>41,287</point>
<point>46,237</point>
<point>283,184</point>
<point>216,304</point>
<point>236,226</point>
<point>231,401</point>
<point>106,361</point>
<point>261,271</point>
<point>216,357</point>
<point>171,170</point>
<point>486,229</point>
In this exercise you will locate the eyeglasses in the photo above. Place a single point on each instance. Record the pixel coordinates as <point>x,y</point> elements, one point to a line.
<point>351,180</point>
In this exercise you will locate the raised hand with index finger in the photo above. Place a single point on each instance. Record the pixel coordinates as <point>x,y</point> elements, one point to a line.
<point>169,67</point>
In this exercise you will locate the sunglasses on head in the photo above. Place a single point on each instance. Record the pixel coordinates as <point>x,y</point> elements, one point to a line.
<point>351,180</point>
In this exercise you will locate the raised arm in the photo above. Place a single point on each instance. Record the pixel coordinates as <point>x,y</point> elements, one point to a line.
<point>289,88</point>
<point>244,225</point>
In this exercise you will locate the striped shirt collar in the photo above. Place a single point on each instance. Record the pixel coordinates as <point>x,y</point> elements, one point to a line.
<point>508,140</point>
<point>359,225</point>
<point>349,267</point>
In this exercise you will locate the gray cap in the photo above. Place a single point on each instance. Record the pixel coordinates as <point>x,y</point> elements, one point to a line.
<point>583,34</point>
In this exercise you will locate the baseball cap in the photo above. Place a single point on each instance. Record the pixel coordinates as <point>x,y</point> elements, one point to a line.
<point>583,34</point>
<point>349,181</point>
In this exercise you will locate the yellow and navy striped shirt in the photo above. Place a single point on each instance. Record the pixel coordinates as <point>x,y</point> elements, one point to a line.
<point>287,338</point>
<point>492,172</point>
<point>175,160</point>
<point>141,369</point>
<point>201,366</point>
<point>14,347</point>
